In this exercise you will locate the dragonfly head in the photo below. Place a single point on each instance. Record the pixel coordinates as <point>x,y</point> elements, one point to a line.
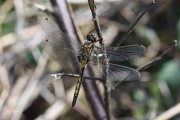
<point>92,37</point>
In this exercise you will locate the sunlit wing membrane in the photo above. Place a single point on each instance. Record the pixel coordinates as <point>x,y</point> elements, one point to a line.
<point>118,54</point>
<point>115,72</point>
<point>57,43</point>
<point>122,73</point>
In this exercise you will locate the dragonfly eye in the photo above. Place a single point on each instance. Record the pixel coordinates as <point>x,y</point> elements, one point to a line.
<point>88,38</point>
<point>92,37</point>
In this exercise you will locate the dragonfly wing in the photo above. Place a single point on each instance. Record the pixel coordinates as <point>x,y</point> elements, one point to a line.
<point>115,72</point>
<point>118,54</point>
<point>122,73</point>
<point>58,44</point>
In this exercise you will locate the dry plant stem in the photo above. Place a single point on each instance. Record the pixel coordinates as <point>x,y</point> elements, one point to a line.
<point>59,75</point>
<point>169,113</point>
<point>65,19</point>
<point>159,57</point>
<point>14,52</point>
<point>26,97</point>
<point>6,87</point>
<point>19,8</point>
<point>92,7</point>
<point>135,22</point>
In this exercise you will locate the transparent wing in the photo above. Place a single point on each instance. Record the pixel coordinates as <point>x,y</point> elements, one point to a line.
<point>122,73</point>
<point>115,72</point>
<point>58,44</point>
<point>118,54</point>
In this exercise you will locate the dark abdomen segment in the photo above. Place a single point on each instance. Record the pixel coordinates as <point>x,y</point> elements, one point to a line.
<point>78,86</point>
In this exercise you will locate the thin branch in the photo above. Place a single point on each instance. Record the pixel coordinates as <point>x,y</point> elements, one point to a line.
<point>135,22</point>
<point>176,43</point>
<point>5,89</point>
<point>169,113</point>
<point>92,7</point>
<point>59,75</point>
<point>19,6</point>
<point>19,48</point>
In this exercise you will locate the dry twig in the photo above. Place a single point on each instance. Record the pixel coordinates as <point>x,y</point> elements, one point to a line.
<point>92,7</point>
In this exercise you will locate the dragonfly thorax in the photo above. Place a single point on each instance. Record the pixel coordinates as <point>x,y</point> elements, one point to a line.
<point>86,51</point>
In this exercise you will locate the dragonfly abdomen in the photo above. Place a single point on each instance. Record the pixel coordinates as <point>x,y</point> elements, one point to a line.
<point>84,58</point>
<point>78,86</point>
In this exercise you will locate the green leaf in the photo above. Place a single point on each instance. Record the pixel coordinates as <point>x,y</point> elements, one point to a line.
<point>170,72</point>
<point>8,27</point>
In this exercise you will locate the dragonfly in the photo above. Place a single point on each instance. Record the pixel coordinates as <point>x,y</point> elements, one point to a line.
<point>62,48</point>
